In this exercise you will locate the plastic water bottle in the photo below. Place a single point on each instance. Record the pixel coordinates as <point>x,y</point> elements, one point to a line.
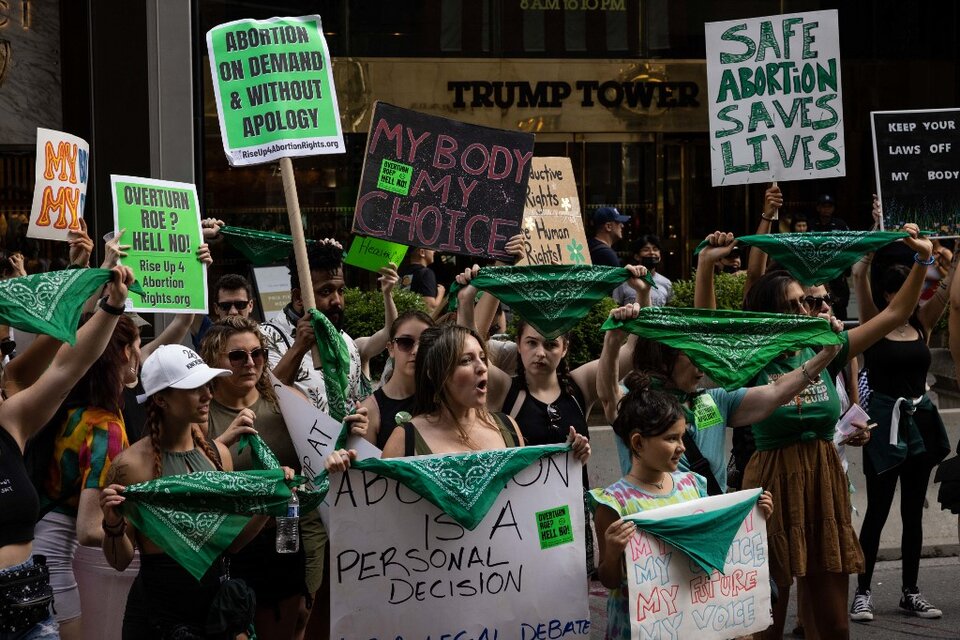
<point>288,528</point>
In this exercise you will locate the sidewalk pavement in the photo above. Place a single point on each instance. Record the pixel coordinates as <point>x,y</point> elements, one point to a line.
<point>939,579</point>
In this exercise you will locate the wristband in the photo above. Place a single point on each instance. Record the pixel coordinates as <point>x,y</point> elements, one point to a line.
<point>113,531</point>
<point>929,261</point>
<point>775,216</point>
<point>810,380</point>
<point>109,308</point>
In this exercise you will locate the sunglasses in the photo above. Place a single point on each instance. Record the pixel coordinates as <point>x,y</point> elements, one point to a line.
<point>227,306</point>
<point>799,305</point>
<point>817,302</point>
<point>405,343</point>
<point>239,357</point>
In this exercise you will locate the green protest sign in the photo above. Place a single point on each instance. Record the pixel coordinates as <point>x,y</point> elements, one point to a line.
<point>373,254</point>
<point>273,82</point>
<point>554,527</point>
<point>162,223</point>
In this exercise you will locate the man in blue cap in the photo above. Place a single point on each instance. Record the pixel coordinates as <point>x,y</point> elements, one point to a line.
<point>607,229</point>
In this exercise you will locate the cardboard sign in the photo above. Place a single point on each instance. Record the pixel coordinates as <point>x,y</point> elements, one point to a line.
<point>63,163</point>
<point>373,254</point>
<point>917,160</point>
<point>552,223</point>
<point>441,184</point>
<point>273,288</point>
<point>671,597</point>
<point>274,88</point>
<point>774,95</point>
<point>519,574</point>
<point>162,222</point>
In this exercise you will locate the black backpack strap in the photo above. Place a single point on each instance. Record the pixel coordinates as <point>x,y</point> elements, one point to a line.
<point>409,439</point>
<point>699,464</point>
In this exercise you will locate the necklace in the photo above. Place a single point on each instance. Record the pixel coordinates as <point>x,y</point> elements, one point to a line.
<point>902,329</point>
<point>658,485</point>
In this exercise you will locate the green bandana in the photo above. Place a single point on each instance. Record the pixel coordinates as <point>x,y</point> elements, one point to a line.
<point>551,298</point>
<point>704,537</point>
<point>730,346</point>
<point>462,485</point>
<point>335,357</point>
<point>195,517</point>
<point>260,247</point>
<point>51,303</point>
<point>818,257</point>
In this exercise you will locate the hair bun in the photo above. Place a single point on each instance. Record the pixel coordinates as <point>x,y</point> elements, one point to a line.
<point>637,381</point>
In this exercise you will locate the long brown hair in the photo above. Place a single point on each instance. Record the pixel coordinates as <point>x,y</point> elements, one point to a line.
<point>102,385</point>
<point>214,346</point>
<point>152,426</point>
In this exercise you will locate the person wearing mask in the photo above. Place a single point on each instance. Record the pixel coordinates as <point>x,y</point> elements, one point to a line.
<point>646,253</point>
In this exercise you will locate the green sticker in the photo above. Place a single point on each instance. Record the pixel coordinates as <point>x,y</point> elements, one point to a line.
<point>554,527</point>
<point>706,414</point>
<point>395,177</point>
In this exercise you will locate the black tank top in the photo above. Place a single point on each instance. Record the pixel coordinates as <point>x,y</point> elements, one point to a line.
<point>899,368</point>
<point>534,416</point>
<point>389,408</point>
<point>19,502</point>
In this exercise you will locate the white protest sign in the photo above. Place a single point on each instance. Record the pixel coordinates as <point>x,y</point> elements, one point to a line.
<point>60,191</point>
<point>401,568</point>
<point>775,98</point>
<point>671,597</point>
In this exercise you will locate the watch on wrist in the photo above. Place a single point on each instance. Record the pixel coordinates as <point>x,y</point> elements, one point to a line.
<point>109,308</point>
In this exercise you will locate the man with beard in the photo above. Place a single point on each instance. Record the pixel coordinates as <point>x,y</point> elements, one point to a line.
<point>289,333</point>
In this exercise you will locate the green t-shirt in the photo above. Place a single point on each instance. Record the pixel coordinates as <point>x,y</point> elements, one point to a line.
<point>812,414</point>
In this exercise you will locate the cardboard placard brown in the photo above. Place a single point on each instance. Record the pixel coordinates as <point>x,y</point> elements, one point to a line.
<point>552,223</point>
<point>441,184</point>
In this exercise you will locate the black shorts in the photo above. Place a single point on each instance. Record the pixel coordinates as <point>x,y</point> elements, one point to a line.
<point>272,576</point>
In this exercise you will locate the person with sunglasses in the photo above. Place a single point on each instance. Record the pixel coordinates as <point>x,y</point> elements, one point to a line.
<point>392,403</point>
<point>245,402</point>
<point>811,536</point>
<point>233,295</point>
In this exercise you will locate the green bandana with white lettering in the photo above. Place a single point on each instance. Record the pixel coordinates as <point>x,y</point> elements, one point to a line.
<point>51,303</point>
<point>818,257</point>
<point>730,346</point>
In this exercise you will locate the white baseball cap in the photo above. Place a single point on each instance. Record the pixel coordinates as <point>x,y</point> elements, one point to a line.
<point>174,366</point>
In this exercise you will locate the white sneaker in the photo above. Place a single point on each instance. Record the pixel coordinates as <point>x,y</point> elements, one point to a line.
<point>862,608</point>
<point>916,605</point>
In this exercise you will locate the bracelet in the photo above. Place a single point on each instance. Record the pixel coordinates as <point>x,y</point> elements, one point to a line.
<point>771,219</point>
<point>929,261</point>
<point>113,531</point>
<point>810,380</point>
<point>109,308</point>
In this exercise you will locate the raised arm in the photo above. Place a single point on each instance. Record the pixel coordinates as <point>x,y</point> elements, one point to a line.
<point>953,322</point>
<point>372,346</point>
<point>608,366</point>
<point>903,304</point>
<point>929,314</point>
<point>24,370</point>
<point>757,260</point>
<point>720,245</point>
<point>25,413</point>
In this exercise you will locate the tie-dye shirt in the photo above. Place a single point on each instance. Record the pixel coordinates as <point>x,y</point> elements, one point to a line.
<point>87,442</point>
<point>626,498</point>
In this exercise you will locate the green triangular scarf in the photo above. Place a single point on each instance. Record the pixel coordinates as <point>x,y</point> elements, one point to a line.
<point>551,298</point>
<point>730,346</point>
<point>51,303</point>
<point>704,537</point>
<point>462,485</point>
<point>335,357</point>
<point>260,247</point>
<point>817,257</point>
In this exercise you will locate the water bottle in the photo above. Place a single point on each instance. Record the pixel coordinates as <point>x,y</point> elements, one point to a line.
<point>288,528</point>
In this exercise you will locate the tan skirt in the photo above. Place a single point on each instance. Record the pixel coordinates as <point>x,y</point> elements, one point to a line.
<point>810,530</point>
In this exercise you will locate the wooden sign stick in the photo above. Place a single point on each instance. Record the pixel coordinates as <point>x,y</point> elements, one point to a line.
<point>299,243</point>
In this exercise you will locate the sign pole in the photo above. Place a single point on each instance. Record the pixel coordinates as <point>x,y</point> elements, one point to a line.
<point>299,242</point>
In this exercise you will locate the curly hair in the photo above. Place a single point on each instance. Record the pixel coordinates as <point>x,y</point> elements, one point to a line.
<point>321,256</point>
<point>214,346</point>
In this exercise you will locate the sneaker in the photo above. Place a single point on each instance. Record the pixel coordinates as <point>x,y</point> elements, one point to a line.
<point>913,603</point>
<point>862,608</point>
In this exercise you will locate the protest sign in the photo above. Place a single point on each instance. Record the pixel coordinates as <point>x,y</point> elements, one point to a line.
<point>519,574</point>
<point>441,184</point>
<point>917,160</point>
<point>273,83</point>
<point>273,289</point>
<point>162,223</point>
<point>774,96</point>
<point>552,223</point>
<point>373,254</point>
<point>60,192</point>
<point>671,596</point>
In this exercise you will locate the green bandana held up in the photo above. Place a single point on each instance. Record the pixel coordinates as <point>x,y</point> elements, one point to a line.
<point>730,346</point>
<point>51,303</point>
<point>260,247</point>
<point>551,298</point>
<point>818,257</point>
<point>704,537</point>
<point>336,363</point>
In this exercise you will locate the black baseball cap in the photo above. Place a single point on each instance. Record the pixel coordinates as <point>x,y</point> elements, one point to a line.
<point>826,198</point>
<point>604,215</point>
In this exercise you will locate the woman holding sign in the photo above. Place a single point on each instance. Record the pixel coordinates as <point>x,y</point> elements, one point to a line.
<point>810,535</point>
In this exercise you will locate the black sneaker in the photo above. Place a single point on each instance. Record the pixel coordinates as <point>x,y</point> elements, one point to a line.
<point>862,608</point>
<point>913,603</point>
